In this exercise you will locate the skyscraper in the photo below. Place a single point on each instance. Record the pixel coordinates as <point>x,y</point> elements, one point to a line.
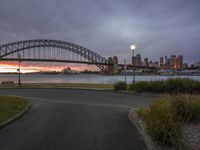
<point>138,60</point>
<point>180,62</point>
<point>151,64</point>
<point>133,60</point>
<point>146,62</point>
<point>161,62</point>
<point>156,64</point>
<point>173,62</point>
<point>115,64</point>
<point>168,63</point>
<point>109,68</point>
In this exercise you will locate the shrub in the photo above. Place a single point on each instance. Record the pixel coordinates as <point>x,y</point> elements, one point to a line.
<point>120,86</point>
<point>178,85</point>
<point>161,125</point>
<point>187,107</point>
<point>166,116</point>
<point>139,86</point>
<point>141,112</point>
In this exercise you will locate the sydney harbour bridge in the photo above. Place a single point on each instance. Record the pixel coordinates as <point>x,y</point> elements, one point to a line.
<point>45,50</point>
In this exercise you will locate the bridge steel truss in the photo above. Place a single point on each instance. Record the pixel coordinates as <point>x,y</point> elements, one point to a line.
<point>16,47</point>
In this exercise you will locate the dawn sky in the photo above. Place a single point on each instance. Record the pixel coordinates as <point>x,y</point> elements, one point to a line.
<point>157,27</point>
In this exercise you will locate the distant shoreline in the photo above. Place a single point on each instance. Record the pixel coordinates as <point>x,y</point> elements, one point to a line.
<point>95,74</point>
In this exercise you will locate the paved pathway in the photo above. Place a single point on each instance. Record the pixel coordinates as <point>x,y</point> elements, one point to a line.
<point>64,119</point>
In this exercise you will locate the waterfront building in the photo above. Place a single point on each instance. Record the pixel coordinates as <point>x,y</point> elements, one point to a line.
<point>115,64</point>
<point>180,62</point>
<point>197,64</point>
<point>185,65</point>
<point>192,66</point>
<point>143,63</point>
<point>156,64</point>
<point>146,62</point>
<point>165,59</point>
<point>138,60</point>
<point>66,70</point>
<point>168,63</point>
<point>161,62</point>
<point>134,61</point>
<point>151,64</point>
<point>109,68</point>
<point>173,62</point>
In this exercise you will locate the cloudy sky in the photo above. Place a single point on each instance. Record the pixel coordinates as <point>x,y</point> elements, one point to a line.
<point>157,27</point>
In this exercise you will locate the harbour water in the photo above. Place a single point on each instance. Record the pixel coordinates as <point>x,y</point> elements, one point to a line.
<point>40,78</point>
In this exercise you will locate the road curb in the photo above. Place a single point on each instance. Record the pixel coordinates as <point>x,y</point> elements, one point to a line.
<point>138,123</point>
<point>17,116</point>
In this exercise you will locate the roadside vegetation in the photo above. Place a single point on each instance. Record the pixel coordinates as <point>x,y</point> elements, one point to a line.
<point>177,85</point>
<point>165,117</point>
<point>10,106</point>
<point>120,86</point>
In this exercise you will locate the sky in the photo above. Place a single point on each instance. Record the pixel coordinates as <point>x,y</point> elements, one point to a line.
<point>108,27</point>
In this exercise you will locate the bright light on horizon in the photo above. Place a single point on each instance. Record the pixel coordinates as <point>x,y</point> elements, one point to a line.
<point>7,67</point>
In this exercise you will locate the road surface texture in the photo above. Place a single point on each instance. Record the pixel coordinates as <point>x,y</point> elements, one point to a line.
<point>67,119</point>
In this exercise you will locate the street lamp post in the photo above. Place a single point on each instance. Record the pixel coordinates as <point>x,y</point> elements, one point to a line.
<point>19,81</point>
<point>133,47</point>
<point>125,74</point>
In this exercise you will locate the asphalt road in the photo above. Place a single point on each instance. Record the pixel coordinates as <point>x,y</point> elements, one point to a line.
<point>64,119</point>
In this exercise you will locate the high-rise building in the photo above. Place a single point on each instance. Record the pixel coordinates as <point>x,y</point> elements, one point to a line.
<point>156,64</point>
<point>165,59</point>
<point>110,67</point>
<point>151,64</point>
<point>143,63</point>
<point>180,62</point>
<point>173,62</point>
<point>161,62</point>
<point>165,63</point>
<point>146,62</point>
<point>168,63</point>
<point>115,64</point>
<point>110,60</point>
<point>138,60</point>
<point>115,59</point>
<point>133,60</point>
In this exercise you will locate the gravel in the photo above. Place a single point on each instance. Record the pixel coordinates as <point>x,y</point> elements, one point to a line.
<point>191,136</point>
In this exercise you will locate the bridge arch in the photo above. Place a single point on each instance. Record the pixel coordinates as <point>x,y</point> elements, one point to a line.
<point>16,47</point>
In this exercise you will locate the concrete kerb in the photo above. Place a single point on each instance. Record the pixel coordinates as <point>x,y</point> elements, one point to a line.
<point>17,116</point>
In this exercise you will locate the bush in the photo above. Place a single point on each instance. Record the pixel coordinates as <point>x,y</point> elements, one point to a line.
<point>178,85</point>
<point>161,124</point>
<point>187,107</point>
<point>166,116</point>
<point>120,86</point>
<point>139,86</point>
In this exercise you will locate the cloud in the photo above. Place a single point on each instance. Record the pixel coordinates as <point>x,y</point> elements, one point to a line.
<point>157,27</point>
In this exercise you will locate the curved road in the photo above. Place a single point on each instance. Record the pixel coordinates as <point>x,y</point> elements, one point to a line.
<point>65,119</point>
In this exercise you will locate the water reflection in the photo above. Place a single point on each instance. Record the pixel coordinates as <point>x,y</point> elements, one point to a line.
<point>84,78</point>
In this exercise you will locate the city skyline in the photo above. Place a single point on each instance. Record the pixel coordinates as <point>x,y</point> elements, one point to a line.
<point>158,28</point>
<point>163,62</point>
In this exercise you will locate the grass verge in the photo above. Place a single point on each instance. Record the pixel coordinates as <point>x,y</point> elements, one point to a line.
<point>10,106</point>
<point>165,118</point>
